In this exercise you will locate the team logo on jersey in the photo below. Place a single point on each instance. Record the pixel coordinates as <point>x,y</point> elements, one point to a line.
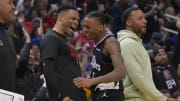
<point>95,65</point>
<point>170,82</point>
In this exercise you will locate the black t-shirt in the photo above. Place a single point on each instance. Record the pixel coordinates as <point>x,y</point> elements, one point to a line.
<point>56,47</point>
<point>165,78</point>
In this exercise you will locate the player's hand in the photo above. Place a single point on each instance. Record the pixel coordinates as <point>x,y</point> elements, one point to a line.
<point>83,82</point>
<point>67,99</point>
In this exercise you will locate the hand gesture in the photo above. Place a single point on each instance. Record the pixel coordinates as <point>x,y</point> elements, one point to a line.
<point>67,99</point>
<point>26,35</point>
<point>40,29</point>
<point>83,82</point>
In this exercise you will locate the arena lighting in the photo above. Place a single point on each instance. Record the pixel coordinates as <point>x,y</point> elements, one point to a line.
<point>171,16</point>
<point>170,30</point>
<point>167,29</point>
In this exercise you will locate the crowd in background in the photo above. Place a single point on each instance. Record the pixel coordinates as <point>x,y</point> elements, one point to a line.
<point>35,17</point>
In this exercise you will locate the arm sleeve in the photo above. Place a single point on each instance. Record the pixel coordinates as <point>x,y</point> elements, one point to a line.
<point>54,93</point>
<point>49,49</point>
<point>138,73</point>
<point>22,63</point>
<point>24,53</point>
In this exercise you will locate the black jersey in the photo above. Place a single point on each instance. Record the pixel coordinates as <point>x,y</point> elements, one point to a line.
<point>102,65</point>
<point>56,47</point>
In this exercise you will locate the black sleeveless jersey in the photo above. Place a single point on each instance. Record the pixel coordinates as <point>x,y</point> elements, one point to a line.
<point>102,65</point>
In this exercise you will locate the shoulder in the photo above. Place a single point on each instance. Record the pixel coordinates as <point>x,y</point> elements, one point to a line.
<point>112,45</point>
<point>51,36</point>
<point>128,41</point>
<point>49,39</point>
<point>111,39</point>
<point>111,42</point>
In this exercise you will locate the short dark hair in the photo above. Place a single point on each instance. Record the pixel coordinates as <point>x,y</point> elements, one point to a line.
<point>101,17</point>
<point>66,8</point>
<point>126,14</point>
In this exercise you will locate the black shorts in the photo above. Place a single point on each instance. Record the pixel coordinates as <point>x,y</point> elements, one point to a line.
<point>108,95</point>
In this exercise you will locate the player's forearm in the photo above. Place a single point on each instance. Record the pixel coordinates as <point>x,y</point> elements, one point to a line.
<point>110,77</point>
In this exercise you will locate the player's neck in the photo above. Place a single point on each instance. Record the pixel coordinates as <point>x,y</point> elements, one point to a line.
<point>58,30</point>
<point>100,37</point>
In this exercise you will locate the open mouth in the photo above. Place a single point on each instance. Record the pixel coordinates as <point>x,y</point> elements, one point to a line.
<point>144,27</point>
<point>72,28</point>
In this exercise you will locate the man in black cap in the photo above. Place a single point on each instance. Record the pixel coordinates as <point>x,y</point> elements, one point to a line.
<point>164,75</point>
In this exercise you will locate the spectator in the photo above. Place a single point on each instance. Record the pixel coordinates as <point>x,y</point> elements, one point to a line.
<point>164,75</point>
<point>28,71</point>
